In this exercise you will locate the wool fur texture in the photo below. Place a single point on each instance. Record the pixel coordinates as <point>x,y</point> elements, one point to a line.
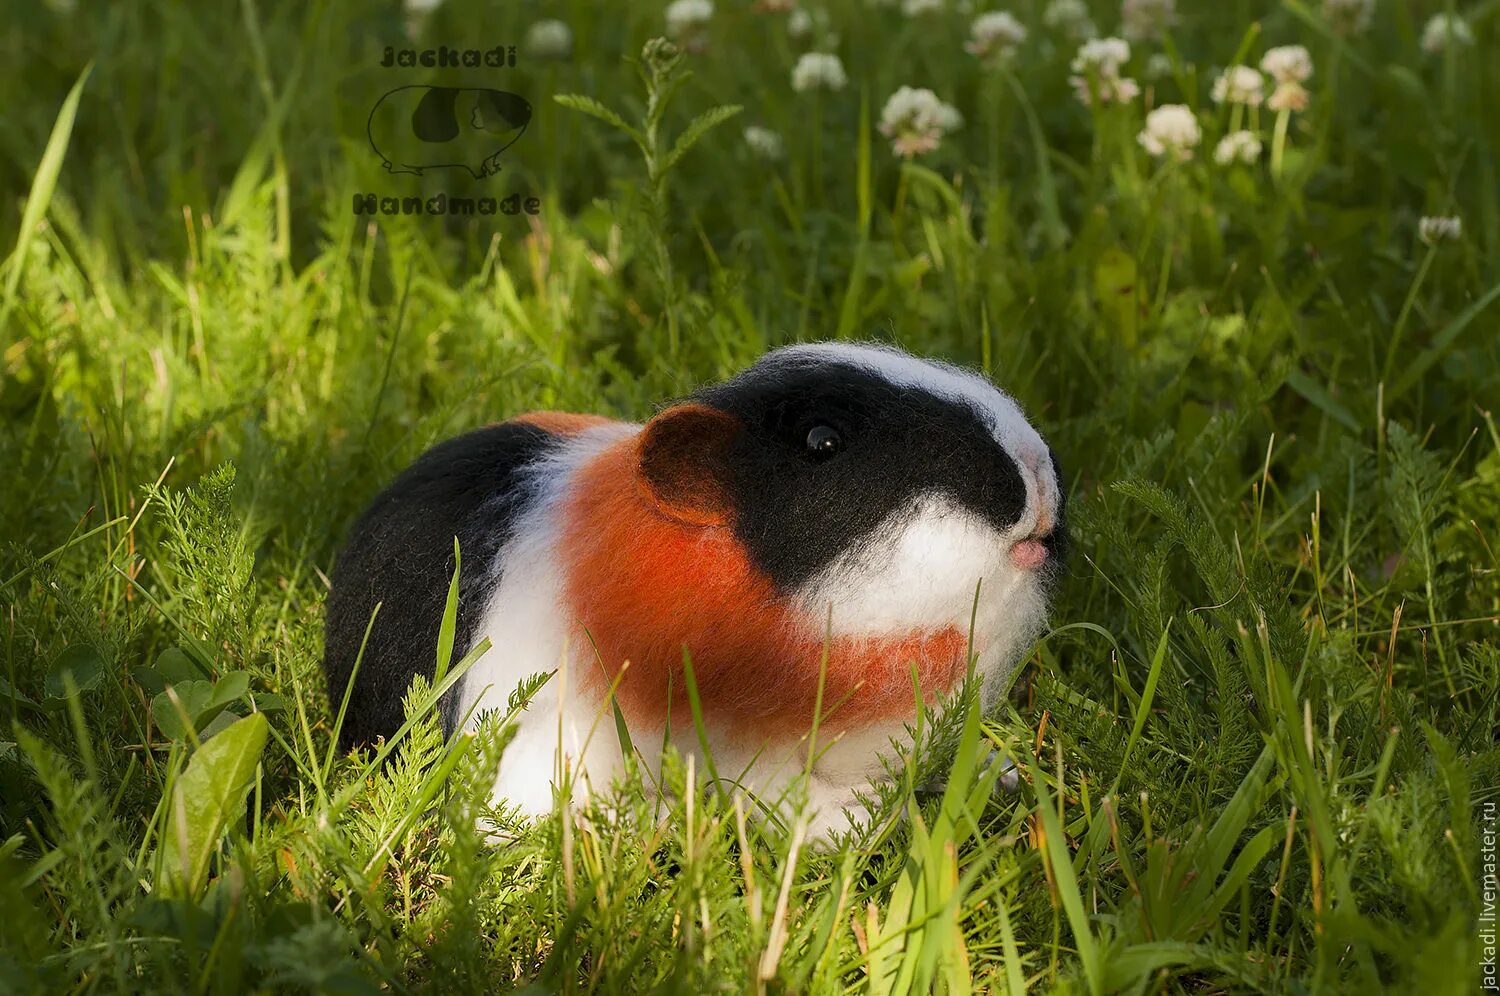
<point>828,515</point>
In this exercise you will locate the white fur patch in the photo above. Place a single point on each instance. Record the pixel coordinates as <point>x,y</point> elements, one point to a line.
<point>528,632</point>
<point>920,569</point>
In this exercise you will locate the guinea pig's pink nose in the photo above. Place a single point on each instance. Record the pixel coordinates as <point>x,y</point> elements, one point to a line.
<point>1029,554</point>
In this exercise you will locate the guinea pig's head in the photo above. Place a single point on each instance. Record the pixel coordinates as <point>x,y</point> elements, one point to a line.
<point>875,488</point>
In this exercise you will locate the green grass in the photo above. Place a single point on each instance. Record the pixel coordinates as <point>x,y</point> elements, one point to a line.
<point>1256,748</point>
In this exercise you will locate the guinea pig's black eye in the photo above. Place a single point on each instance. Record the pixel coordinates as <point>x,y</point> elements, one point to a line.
<point>823,441</point>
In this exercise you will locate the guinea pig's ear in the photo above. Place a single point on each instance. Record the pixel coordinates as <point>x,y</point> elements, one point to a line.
<point>683,464</point>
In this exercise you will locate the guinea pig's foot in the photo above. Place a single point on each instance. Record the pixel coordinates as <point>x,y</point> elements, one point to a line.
<point>825,825</point>
<point>1009,780</point>
<point>832,812</point>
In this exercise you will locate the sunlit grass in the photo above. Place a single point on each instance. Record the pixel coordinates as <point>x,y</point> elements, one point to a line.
<point>1256,748</point>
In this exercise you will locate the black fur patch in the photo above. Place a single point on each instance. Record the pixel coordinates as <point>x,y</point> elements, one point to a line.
<point>797,510</point>
<point>400,553</point>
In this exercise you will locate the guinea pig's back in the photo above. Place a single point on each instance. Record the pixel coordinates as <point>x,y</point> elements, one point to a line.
<point>400,555</point>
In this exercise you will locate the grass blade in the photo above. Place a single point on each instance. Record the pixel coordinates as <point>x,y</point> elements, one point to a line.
<point>43,183</point>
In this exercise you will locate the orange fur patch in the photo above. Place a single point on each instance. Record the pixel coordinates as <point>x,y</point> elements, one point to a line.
<point>561,423</point>
<point>644,586</point>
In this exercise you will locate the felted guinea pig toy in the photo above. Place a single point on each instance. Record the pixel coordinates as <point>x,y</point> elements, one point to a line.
<point>838,498</point>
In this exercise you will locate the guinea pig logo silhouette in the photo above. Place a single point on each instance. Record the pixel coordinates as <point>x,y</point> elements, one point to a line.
<point>418,127</point>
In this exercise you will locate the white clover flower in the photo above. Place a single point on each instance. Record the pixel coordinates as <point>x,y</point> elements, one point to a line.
<point>1287,64</point>
<point>1146,20</point>
<point>764,142</point>
<point>1110,89</point>
<point>1104,57</point>
<point>1239,85</point>
<point>1159,66</point>
<point>818,71</point>
<point>1435,229</point>
<point>1071,18</point>
<point>917,8</point>
<point>915,121</point>
<point>1171,129</point>
<point>549,40</point>
<point>1442,29</point>
<point>1237,147</point>
<point>804,25</point>
<point>994,37</point>
<point>686,19</point>
<point>1348,17</point>
<point>1288,96</point>
<point>417,12</point>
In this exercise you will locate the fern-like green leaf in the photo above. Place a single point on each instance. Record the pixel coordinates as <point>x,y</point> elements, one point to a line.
<point>594,109</point>
<point>700,126</point>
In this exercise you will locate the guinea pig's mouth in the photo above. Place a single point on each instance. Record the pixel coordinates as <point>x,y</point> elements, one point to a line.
<point>1039,550</point>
